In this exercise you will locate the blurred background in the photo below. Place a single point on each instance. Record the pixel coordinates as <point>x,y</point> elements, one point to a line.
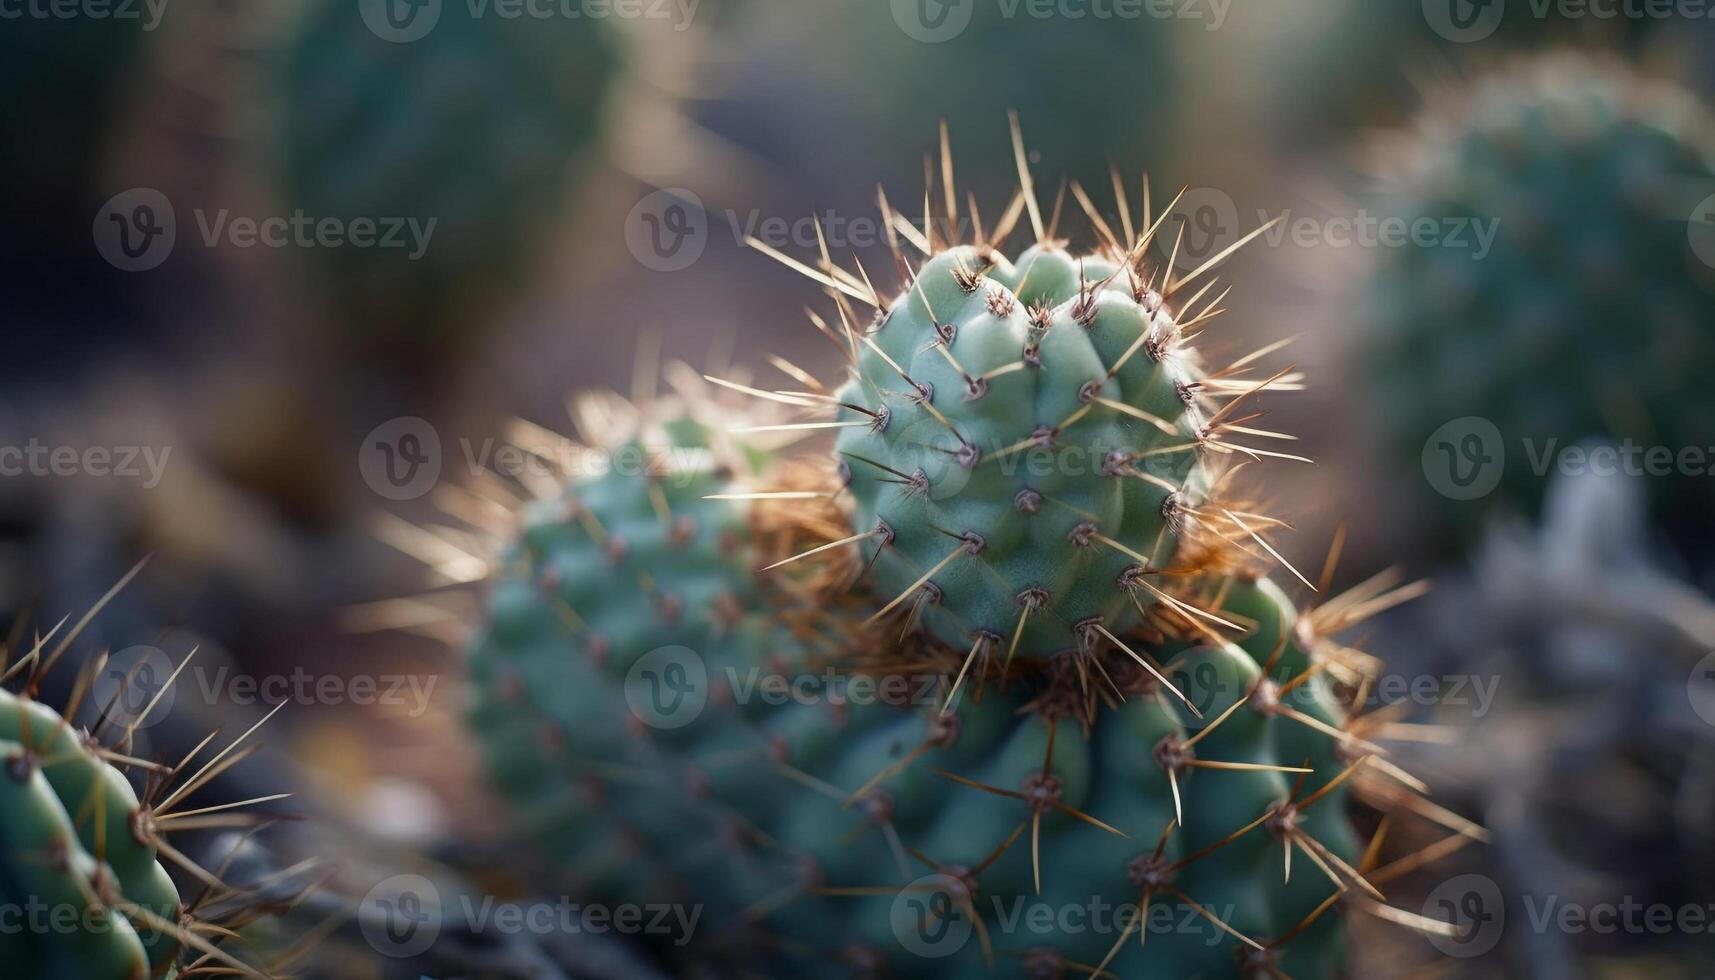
<point>275,270</point>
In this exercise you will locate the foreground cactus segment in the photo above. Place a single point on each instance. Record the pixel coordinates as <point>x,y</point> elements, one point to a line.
<point>1024,447</point>
<point>1591,316</point>
<point>71,844</point>
<point>84,856</point>
<point>706,683</point>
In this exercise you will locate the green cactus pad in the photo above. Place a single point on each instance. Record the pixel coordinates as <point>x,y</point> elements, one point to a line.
<point>1592,316</point>
<point>73,860</point>
<point>1027,444</point>
<point>823,832</point>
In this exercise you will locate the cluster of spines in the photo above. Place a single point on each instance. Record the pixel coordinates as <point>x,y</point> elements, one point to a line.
<point>1197,524</point>
<point>111,857</point>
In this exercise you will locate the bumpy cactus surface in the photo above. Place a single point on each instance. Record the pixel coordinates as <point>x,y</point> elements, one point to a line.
<point>475,125</point>
<point>1591,316</point>
<point>1024,446</point>
<point>1147,776</point>
<point>71,850</point>
<point>864,830</point>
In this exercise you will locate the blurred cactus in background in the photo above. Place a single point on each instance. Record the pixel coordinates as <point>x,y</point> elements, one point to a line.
<point>472,130</point>
<point>1094,91</point>
<point>1593,315</point>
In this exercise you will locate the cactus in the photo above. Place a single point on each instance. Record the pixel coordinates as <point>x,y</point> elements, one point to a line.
<point>474,126</point>
<point>83,856</point>
<point>1591,314</point>
<point>1032,445</point>
<point>1148,759</point>
<point>825,820</point>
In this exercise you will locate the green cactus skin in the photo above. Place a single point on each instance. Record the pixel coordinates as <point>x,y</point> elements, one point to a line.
<point>803,830</point>
<point>475,126</point>
<point>69,843</point>
<point>1591,317</point>
<point>625,563</point>
<point>1034,441</point>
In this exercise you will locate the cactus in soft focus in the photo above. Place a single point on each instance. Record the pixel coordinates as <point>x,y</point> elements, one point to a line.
<point>475,126</point>
<point>1096,90</point>
<point>1592,315</point>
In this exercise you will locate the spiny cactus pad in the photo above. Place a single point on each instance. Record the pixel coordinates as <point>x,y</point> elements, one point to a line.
<point>1029,452</point>
<point>1591,316</point>
<point>607,590</point>
<point>882,836</point>
<point>74,861</point>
